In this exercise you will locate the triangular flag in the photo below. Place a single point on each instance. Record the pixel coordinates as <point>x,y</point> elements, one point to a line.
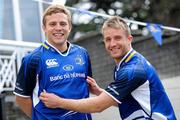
<point>156,32</point>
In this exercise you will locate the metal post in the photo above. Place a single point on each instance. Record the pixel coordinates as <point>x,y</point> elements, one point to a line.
<point>2,107</point>
<point>17,20</point>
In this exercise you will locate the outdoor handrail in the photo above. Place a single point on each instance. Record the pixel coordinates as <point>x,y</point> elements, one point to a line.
<point>11,53</point>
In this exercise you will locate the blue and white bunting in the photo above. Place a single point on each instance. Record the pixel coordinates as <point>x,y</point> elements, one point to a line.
<point>156,32</point>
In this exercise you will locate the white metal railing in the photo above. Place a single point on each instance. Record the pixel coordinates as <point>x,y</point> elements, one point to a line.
<point>11,53</point>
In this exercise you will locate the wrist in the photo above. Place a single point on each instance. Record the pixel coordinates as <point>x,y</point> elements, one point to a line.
<point>100,91</point>
<point>60,103</point>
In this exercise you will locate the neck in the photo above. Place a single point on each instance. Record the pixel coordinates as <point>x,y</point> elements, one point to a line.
<point>123,57</point>
<point>117,61</point>
<point>61,47</point>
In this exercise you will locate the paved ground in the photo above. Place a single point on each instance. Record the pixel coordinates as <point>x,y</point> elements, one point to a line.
<point>172,87</point>
<point>109,114</point>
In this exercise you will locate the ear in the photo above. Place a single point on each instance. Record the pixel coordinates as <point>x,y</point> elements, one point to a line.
<point>44,28</point>
<point>130,38</point>
<point>70,27</point>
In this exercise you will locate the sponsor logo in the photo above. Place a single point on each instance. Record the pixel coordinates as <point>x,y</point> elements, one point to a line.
<point>68,67</point>
<point>51,63</point>
<point>67,76</point>
<point>79,60</point>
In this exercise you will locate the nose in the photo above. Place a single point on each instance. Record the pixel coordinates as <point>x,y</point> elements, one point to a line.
<point>112,43</point>
<point>58,27</point>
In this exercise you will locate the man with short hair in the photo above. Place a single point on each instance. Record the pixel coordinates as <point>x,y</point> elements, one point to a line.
<point>57,66</point>
<point>137,89</point>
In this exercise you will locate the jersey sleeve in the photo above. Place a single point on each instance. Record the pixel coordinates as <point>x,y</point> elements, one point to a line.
<point>26,78</point>
<point>89,67</point>
<point>127,81</point>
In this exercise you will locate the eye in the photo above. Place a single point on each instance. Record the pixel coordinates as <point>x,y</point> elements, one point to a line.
<point>107,39</point>
<point>118,37</point>
<point>63,24</point>
<point>52,24</point>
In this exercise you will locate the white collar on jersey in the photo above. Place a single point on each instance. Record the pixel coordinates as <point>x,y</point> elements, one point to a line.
<point>119,64</point>
<point>70,45</point>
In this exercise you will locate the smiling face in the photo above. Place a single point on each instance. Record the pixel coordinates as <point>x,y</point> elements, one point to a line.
<point>57,29</point>
<point>117,42</point>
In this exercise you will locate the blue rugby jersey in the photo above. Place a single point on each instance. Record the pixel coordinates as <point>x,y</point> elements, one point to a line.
<point>62,74</point>
<point>139,91</point>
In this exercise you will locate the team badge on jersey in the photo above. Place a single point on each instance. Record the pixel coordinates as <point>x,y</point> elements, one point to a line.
<point>68,67</point>
<point>79,60</point>
<point>52,63</point>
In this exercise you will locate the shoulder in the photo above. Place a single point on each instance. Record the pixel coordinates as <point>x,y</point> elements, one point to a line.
<point>134,69</point>
<point>138,68</point>
<point>75,46</point>
<point>79,49</point>
<point>33,58</point>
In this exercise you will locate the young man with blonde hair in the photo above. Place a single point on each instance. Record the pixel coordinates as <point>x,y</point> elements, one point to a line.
<point>57,66</point>
<point>137,89</point>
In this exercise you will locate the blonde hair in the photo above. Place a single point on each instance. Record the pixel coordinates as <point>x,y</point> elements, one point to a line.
<point>117,23</point>
<point>53,9</point>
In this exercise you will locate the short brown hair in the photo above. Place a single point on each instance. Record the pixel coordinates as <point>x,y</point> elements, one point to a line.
<point>117,23</point>
<point>56,9</point>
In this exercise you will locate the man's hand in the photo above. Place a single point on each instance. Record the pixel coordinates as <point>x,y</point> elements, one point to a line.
<point>93,87</point>
<point>49,99</point>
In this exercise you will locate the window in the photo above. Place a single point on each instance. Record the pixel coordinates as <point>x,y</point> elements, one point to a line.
<point>30,20</point>
<point>6,20</point>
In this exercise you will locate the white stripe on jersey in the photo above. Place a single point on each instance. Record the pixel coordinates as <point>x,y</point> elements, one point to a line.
<point>35,92</point>
<point>69,113</point>
<point>142,96</point>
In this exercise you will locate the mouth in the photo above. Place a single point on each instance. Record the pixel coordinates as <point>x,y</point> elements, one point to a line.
<point>114,50</point>
<point>58,35</point>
